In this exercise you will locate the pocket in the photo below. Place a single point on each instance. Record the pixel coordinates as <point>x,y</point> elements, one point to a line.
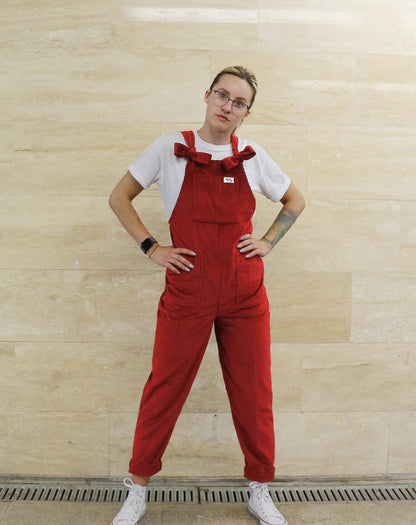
<point>215,198</point>
<point>183,291</point>
<point>250,276</point>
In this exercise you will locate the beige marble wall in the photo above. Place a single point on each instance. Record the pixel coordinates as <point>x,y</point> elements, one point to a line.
<point>85,87</point>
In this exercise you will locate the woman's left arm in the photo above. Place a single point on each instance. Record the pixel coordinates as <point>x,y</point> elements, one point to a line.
<point>293,205</point>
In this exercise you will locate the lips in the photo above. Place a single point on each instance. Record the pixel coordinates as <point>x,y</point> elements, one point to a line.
<point>223,118</point>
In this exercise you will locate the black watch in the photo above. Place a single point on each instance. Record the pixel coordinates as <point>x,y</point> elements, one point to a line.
<point>147,244</point>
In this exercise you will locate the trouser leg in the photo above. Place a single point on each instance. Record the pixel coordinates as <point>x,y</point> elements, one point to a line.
<point>244,349</point>
<point>179,348</point>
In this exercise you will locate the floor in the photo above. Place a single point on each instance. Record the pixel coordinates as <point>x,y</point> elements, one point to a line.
<point>44,513</point>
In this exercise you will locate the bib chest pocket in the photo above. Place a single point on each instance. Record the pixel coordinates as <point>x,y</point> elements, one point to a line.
<point>215,197</point>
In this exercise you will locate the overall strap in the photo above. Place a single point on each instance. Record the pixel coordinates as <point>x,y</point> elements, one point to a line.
<point>189,152</point>
<point>238,156</point>
<point>234,144</point>
<point>189,138</point>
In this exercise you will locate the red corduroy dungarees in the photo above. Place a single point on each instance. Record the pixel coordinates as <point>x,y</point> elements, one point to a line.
<point>213,211</point>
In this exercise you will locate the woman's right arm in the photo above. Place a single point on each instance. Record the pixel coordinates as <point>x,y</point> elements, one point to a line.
<point>120,202</point>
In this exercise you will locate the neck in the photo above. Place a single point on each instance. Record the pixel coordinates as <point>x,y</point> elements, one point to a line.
<point>214,136</point>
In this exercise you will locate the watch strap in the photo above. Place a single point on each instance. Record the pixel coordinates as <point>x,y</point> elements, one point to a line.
<point>147,244</point>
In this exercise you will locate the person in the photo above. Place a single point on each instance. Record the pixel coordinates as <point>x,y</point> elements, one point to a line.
<point>214,278</point>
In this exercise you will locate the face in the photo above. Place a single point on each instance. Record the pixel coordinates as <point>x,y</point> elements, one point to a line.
<point>225,118</point>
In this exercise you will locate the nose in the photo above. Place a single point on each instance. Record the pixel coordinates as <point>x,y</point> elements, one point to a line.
<point>226,106</point>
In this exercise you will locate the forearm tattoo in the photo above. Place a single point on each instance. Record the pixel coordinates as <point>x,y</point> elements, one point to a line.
<point>280,226</point>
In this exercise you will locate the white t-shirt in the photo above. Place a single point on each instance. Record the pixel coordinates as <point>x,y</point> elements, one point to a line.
<point>158,164</point>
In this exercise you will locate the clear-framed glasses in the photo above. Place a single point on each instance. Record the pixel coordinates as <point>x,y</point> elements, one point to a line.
<point>220,98</point>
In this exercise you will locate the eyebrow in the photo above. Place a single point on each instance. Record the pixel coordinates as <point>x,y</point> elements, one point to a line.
<point>243,99</point>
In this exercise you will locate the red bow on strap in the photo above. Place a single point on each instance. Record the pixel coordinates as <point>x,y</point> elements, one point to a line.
<point>231,162</point>
<point>190,153</point>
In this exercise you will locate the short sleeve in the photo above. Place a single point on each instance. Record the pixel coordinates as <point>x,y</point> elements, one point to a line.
<point>265,175</point>
<point>147,167</point>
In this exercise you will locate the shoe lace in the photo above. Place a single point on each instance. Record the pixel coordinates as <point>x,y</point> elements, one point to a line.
<point>136,494</point>
<point>265,501</point>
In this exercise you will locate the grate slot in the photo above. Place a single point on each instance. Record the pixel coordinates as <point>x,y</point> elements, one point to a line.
<point>316,496</point>
<point>342,495</point>
<point>384,494</point>
<point>24,495</point>
<point>411,493</point>
<point>328,495</point>
<point>364,495</point>
<point>391,493</point>
<point>378,494</point>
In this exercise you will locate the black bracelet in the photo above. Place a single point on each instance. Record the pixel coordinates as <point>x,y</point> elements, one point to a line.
<point>147,244</point>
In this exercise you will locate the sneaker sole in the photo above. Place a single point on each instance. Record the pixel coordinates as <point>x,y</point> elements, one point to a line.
<point>262,522</point>
<point>141,517</point>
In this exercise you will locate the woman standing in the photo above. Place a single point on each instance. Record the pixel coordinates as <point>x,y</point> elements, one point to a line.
<point>214,277</point>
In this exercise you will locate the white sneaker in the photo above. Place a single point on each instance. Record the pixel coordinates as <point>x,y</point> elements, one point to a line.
<point>134,507</point>
<point>261,505</point>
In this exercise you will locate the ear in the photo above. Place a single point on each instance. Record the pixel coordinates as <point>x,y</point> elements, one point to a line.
<point>207,93</point>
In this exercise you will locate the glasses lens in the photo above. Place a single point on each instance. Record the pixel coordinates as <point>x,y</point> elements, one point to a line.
<point>239,106</point>
<point>220,98</point>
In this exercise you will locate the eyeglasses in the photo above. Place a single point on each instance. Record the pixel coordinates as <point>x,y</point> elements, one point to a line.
<point>220,98</point>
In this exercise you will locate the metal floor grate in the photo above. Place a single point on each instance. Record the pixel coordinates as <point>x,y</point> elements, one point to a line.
<point>114,493</point>
<point>89,494</point>
<point>325,494</point>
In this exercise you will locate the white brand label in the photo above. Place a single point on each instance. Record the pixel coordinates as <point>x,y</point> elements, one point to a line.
<point>230,180</point>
